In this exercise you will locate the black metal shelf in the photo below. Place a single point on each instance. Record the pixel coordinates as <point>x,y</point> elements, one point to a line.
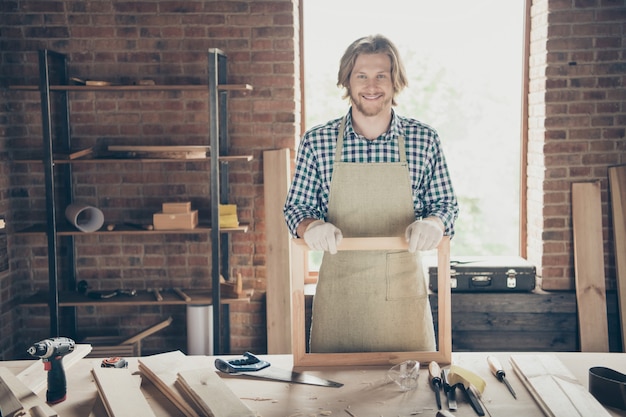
<point>55,82</point>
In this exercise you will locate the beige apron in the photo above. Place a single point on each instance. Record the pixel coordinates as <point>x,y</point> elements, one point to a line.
<point>369,301</point>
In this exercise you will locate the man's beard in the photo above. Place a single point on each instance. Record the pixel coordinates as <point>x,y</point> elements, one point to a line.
<point>369,109</point>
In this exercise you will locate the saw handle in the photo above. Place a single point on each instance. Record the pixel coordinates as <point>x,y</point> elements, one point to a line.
<point>250,364</point>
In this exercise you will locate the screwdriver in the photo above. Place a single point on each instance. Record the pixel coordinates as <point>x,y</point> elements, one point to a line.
<point>498,371</point>
<point>435,381</point>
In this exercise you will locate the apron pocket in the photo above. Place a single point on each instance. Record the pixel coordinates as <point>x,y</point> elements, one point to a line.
<point>405,278</point>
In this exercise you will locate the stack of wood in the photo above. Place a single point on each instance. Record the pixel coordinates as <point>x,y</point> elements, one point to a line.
<point>191,383</point>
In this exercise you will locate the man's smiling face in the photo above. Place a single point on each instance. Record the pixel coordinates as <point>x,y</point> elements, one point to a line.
<point>371,88</point>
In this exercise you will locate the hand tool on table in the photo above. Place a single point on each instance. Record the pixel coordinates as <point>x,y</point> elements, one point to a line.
<point>450,390</point>
<point>434,372</point>
<point>252,366</point>
<point>498,371</point>
<point>51,352</point>
<point>472,384</point>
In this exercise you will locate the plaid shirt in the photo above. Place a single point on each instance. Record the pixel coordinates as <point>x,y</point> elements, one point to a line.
<point>433,194</point>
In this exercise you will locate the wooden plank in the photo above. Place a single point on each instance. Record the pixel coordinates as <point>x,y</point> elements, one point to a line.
<point>589,266</point>
<point>120,393</point>
<point>366,243</point>
<point>211,394</point>
<point>24,395</point>
<point>617,181</point>
<point>162,370</point>
<point>153,148</point>
<point>147,332</point>
<point>35,376</point>
<point>555,388</point>
<point>276,176</point>
<point>9,404</point>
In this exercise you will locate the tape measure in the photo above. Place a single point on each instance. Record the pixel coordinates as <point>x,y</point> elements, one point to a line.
<point>114,362</point>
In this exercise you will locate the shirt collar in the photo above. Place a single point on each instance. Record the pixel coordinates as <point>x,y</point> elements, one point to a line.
<point>392,133</point>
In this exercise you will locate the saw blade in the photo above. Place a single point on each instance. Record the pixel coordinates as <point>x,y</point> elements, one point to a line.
<point>284,375</point>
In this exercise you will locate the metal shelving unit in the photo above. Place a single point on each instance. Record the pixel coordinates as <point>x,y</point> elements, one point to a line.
<point>54,86</point>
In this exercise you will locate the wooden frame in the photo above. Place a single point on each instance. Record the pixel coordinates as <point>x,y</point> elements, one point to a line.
<point>444,334</point>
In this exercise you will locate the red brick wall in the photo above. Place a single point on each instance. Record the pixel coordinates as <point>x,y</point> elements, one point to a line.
<point>165,41</point>
<point>577,119</point>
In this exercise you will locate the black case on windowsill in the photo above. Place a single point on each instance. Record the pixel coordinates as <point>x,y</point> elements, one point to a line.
<point>487,274</point>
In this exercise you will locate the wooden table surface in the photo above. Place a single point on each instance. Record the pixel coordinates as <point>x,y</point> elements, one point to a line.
<point>367,391</point>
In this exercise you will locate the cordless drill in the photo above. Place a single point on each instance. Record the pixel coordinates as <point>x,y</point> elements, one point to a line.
<point>51,352</point>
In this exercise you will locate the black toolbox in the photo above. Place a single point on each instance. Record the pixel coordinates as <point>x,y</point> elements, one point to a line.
<point>487,274</point>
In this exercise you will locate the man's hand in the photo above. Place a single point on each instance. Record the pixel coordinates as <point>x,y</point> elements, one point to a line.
<point>320,235</point>
<point>424,234</point>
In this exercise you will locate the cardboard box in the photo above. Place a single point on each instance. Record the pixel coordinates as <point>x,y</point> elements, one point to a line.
<point>181,207</point>
<point>175,221</point>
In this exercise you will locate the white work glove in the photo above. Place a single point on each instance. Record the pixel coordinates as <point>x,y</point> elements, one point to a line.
<point>320,235</point>
<point>423,234</point>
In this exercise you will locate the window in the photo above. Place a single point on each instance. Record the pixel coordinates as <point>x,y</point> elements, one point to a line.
<point>464,62</point>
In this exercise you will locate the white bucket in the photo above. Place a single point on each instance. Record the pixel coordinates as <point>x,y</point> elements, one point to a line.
<point>85,218</point>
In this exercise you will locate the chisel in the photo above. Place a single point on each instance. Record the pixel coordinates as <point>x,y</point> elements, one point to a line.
<point>498,371</point>
<point>435,381</point>
<point>450,390</point>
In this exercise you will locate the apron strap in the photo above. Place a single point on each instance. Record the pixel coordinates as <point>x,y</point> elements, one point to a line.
<point>339,147</point>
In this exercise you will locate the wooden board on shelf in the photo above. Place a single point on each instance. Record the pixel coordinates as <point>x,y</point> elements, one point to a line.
<point>156,87</point>
<point>589,266</point>
<point>73,298</point>
<point>67,230</point>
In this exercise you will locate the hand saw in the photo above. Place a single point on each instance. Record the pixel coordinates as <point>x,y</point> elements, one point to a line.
<point>252,366</point>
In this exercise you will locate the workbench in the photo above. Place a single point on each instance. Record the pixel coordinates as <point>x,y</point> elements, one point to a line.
<point>367,391</point>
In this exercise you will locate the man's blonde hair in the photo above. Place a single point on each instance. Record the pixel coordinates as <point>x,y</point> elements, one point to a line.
<point>373,44</point>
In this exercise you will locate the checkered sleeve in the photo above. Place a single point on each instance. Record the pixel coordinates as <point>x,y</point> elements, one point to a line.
<point>438,197</point>
<point>302,199</point>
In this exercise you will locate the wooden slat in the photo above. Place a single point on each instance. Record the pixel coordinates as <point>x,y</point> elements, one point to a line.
<point>211,394</point>
<point>555,388</point>
<point>25,395</point>
<point>589,266</point>
<point>162,370</point>
<point>278,294</point>
<point>35,376</point>
<point>145,333</point>
<point>120,393</point>
<point>366,243</point>
<point>617,180</point>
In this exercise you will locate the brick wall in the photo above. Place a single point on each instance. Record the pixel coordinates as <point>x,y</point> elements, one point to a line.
<point>577,119</point>
<point>122,42</point>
